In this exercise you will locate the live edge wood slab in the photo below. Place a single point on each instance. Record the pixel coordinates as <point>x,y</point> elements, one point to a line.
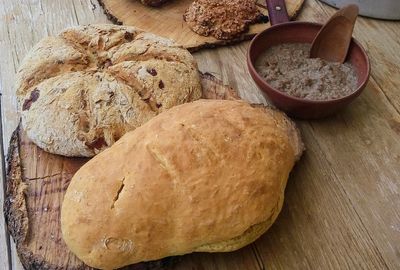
<point>35,186</point>
<point>167,21</point>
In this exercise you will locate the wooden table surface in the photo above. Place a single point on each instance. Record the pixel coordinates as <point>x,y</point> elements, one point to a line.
<point>342,206</point>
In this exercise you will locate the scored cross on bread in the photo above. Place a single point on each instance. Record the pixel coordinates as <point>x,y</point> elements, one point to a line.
<point>80,91</point>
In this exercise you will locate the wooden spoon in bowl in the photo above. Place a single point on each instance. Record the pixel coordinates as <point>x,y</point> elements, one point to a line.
<point>333,40</point>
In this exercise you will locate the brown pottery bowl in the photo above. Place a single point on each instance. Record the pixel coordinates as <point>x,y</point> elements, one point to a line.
<point>304,32</point>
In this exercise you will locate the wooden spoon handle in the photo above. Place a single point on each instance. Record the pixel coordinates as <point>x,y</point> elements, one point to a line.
<point>277,11</point>
<point>350,12</point>
<point>333,40</point>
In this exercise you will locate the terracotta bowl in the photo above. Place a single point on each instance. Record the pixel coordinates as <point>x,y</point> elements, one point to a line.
<point>304,32</point>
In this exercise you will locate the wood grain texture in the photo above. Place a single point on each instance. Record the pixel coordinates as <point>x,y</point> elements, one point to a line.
<point>5,249</point>
<point>342,200</point>
<point>372,183</point>
<point>167,21</point>
<point>244,258</point>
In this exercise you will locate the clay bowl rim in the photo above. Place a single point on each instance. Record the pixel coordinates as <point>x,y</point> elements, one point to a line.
<point>265,84</point>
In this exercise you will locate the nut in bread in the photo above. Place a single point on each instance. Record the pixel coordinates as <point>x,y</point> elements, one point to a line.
<point>82,90</point>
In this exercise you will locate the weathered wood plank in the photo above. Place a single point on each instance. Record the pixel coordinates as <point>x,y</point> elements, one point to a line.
<point>370,181</point>
<point>5,250</point>
<point>238,260</point>
<point>318,227</point>
<point>8,66</point>
<point>219,63</point>
<point>15,261</point>
<point>372,126</point>
<point>88,11</point>
<point>9,63</point>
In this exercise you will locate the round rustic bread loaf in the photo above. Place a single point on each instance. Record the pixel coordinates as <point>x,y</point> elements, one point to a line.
<point>205,176</point>
<point>82,90</point>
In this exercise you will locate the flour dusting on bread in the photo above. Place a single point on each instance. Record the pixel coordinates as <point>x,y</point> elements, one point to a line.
<point>82,90</point>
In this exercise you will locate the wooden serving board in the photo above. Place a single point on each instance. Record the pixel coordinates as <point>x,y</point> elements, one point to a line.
<point>35,186</point>
<point>167,20</point>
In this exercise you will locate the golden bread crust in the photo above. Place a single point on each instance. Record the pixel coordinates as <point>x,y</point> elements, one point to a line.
<point>190,179</point>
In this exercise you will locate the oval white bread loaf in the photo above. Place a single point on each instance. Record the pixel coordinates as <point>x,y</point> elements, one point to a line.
<point>81,90</point>
<point>203,176</point>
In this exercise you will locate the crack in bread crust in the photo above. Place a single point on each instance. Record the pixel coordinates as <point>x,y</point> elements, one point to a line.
<point>180,196</point>
<point>119,191</point>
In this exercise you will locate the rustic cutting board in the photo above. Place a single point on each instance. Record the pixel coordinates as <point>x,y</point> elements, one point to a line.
<point>167,20</point>
<point>35,186</point>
